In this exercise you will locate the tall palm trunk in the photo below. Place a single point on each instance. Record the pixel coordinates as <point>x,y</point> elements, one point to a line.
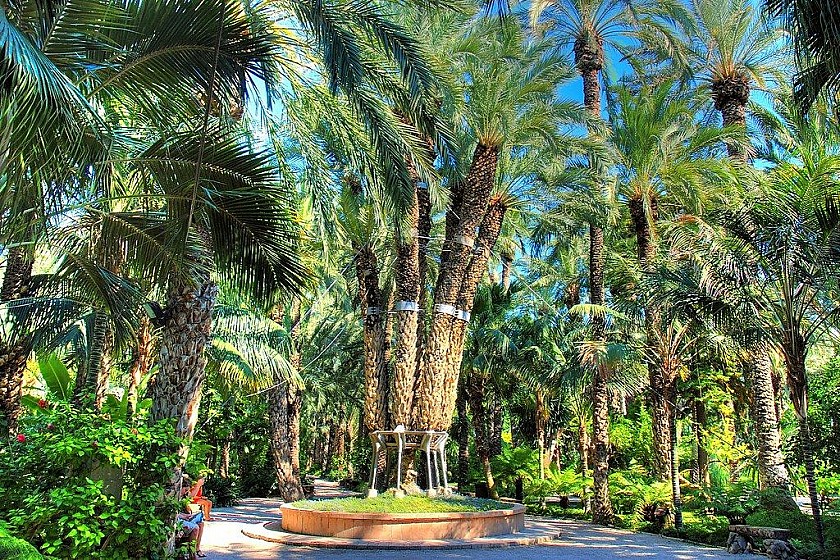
<point>176,391</point>
<point>601,507</point>
<point>488,233</point>
<point>659,384</point>
<point>477,389</point>
<point>589,59</point>
<point>771,462</point>
<point>13,353</point>
<point>436,388</point>
<point>376,373</point>
<point>281,418</point>
<point>408,294</point>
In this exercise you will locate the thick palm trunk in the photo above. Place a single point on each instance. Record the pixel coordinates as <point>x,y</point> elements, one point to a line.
<point>488,233</point>
<point>771,462</point>
<point>436,390</point>
<point>284,431</point>
<point>140,365</point>
<point>176,391</point>
<point>731,96</point>
<point>408,294</point>
<point>376,373</point>
<point>288,485</point>
<point>13,353</point>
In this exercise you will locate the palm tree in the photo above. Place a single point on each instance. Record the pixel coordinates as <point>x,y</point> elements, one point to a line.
<point>783,242</point>
<point>664,157</point>
<point>511,107</point>
<point>728,50</point>
<point>813,24</point>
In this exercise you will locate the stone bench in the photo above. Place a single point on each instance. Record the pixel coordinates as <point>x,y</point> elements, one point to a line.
<point>742,539</point>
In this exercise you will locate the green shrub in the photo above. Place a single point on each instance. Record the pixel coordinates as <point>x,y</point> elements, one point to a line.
<point>712,530</point>
<point>12,548</point>
<point>803,533</point>
<point>223,492</point>
<point>80,485</point>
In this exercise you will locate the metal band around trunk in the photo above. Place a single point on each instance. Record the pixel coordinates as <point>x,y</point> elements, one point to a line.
<point>446,309</point>
<point>463,315</point>
<point>371,311</point>
<point>464,240</point>
<point>406,306</point>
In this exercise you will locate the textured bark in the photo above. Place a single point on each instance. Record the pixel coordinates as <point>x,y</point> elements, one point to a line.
<point>487,235</point>
<point>141,363</point>
<point>731,95</point>
<point>583,445</point>
<point>376,373</point>
<point>496,425</point>
<point>436,391</point>
<point>507,266</point>
<point>589,59</point>
<point>601,507</point>
<point>288,485</point>
<point>541,415</point>
<point>408,289</point>
<point>771,462</point>
<point>176,391</point>
<point>477,388</point>
<point>13,353</point>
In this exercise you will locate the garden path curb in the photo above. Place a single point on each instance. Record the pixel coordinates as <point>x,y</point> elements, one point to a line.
<point>537,531</point>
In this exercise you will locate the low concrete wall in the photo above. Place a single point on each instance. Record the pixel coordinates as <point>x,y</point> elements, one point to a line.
<point>403,526</point>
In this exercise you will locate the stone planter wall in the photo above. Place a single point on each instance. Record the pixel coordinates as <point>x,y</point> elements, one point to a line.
<point>403,526</point>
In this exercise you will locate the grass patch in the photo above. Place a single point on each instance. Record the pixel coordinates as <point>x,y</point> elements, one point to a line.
<point>409,504</point>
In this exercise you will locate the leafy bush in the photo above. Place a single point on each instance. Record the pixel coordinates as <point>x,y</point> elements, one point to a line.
<point>704,529</point>
<point>12,548</point>
<point>803,533</point>
<point>223,492</point>
<point>81,485</point>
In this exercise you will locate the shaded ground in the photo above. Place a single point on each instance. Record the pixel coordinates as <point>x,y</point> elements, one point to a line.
<point>223,539</point>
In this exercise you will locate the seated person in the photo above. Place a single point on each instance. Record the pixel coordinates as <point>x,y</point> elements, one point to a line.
<point>196,492</point>
<point>190,524</point>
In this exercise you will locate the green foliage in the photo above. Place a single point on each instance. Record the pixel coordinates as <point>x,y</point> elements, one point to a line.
<point>223,492</point>
<point>408,504</point>
<point>81,485</point>
<point>704,529</point>
<point>516,462</point>
<point>12,548</point>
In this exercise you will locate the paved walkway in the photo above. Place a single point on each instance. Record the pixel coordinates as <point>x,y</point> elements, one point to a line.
<point>223,539</point>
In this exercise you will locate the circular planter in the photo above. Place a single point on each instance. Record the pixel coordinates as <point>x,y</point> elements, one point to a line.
<point>403,526</point>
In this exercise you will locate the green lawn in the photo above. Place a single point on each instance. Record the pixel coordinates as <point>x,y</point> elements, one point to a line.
<point>408,504</point>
